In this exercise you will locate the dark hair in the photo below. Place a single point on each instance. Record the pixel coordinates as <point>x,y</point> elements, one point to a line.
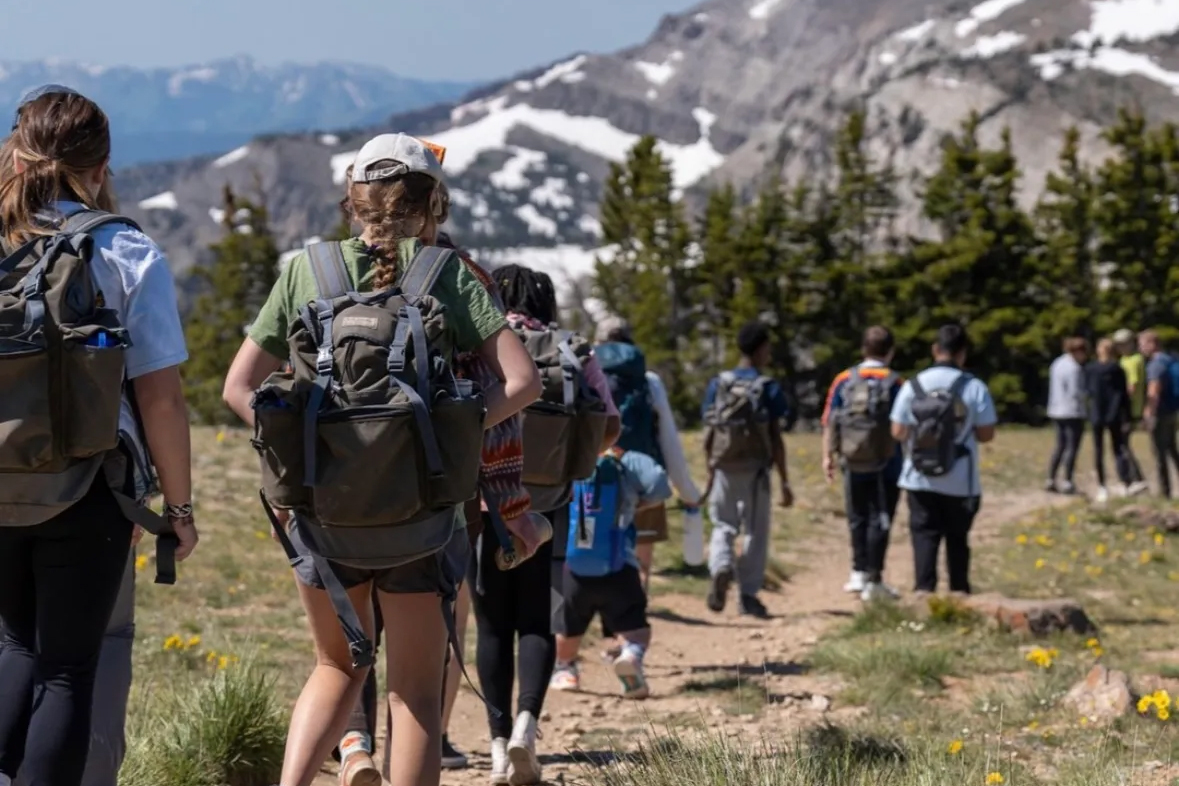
<point>878,341</point>
<point>752,337</point>
<point>59,138</point>
<point>528,292</point>
<point>1076,344</point>
<point>952,340</point>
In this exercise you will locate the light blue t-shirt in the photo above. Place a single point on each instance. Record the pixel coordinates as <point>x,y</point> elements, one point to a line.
<point>644,482</point>
<point>964,479</point>
<point>133,275</point>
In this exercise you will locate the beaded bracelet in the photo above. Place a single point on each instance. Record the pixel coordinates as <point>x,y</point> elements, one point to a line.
<point>178,511</point>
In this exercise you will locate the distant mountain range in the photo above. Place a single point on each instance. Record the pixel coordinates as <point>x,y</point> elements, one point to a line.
<point>735,90</point>
<point>167,113</point>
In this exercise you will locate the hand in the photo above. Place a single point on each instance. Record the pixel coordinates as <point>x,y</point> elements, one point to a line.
<point>284,520</point>
<point>186,532</point>
<point>136,535</point>
<point>829,467</point>
<point>525,529</point>
<point>787,495</point>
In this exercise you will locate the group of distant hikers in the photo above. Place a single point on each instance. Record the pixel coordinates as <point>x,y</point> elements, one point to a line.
<point>431,442</point>
<point>1133,382</point>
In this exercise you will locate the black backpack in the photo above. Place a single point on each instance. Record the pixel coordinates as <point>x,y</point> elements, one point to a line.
<point>934,443</point>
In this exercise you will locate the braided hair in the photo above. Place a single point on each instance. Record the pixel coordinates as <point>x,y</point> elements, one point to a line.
<point>528,292</point>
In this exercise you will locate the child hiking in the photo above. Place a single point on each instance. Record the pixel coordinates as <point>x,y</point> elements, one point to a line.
<point>365,366</point>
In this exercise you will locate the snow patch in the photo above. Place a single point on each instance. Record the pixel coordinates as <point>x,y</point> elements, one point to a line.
<point>1111,60</point>
<point>480,208</point>
<point>990,45</point>
<point>652,94</point>
<point>331,140</point>
<point>232,157</point>
<point>511,177</point>
<point>164,201</point>
<point>700,17</point>
<point>566,264</point>
<point>1134,20</point>
<point>460,198</point>
<point>568,71</point>
<point>590,225</point>
<point>479,105</point>
<point>294,89</point>
<point>984,12</point>
<point>660,73</point>
<point>552,193</point>
<point>355,94</point>
<point>887,58</point>
<point>340,163</point>
<point>762,9</point>
<point>583,177</point>
<point>916,32</point>
<point>593,134</point>
<point>217,214</point>
<point>177,80</point>
<point>537,224</point>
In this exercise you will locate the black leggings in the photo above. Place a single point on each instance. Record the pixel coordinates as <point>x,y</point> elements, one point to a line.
<point>1124,462</point>
<point>510,604</point>
<point>1069,432</point>
<point>58,585</point>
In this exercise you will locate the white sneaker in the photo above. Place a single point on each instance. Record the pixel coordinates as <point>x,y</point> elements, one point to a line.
<point>523,766</point>
<point>878,590</point>
<point>856,582</point>
<point>1102,495</point>
<point>1141,487</point>
<point>629,671</point>
<point>499,762</point>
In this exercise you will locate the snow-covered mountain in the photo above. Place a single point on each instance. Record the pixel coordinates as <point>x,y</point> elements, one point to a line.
<point>168,113</point>
<point>734,89</point>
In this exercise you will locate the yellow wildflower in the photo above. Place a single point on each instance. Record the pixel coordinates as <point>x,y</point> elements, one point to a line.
<point>1033,725</point>
<point>223,663</point>
<point>1158,538</point>
<point>1094,570</point>
<point>1040,563</point>
<point>1097,652</point>
<point>212,656</point>
<point>1021,539</point>
<point>1072,519</point>
<point>259,534</point>
<point>140,562</point>
<point>995,778</point>
<point>1164,715</point>
<point>193,641</point>
<point>1091,643</point>
<point>1074,554</point>
<point>1043,540</point>
<point>173,642</point>
<point>1100,549</point>
<point>220,436</point>
<point>1145,557</point>
<point>1162,700</point>
<point>955,747</point>
<point>1173,575</point>
<point>1042,657</point>
<point>1144,704</point>
<point>1130,536</point>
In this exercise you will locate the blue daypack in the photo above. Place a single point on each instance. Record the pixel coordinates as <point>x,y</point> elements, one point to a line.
<point>1170,392</point>
<point>626,370</point>
<point>597,534</point>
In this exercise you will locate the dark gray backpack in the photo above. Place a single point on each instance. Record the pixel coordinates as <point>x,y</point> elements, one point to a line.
<point>738,424</point>
<point>935,446</point>
<point>563,431</point>
<point>62,382</point>
<point>863,429</point>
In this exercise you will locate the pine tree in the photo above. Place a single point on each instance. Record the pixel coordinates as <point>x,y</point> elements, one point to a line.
<point>236,284</point>
<point>648,280</point>
<point>343,228</point>
<point>719,270</point>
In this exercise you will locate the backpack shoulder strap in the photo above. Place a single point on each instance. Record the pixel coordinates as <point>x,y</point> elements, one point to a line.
<point>918,391</point>
<point>424,269</point>
<point>853,374</point>
<point>327,265</point>
<point>960,384</point>
<point>85,221</point>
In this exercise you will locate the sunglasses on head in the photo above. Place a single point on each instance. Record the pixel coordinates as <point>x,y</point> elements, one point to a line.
<point>41,92</point>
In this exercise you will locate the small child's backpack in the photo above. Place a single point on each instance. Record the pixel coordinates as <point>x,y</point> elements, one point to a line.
<point>935,446</point>
<point>563,431</point>
<point>863,430</point>
<point>738,423</point>
<point>597,533</point>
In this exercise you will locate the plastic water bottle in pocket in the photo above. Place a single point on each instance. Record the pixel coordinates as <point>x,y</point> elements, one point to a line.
<point>101,339</point>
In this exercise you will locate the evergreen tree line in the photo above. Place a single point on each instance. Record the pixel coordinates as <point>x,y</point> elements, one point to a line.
<point>820,261</point>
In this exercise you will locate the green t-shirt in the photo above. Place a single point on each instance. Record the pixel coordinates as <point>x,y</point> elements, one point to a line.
<point>470,312</point>
<point>1135,368</point>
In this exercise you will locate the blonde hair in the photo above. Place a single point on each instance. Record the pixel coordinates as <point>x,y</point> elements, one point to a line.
<point>1105,350</point>
<point>411,206</point>
<point>59,141</point>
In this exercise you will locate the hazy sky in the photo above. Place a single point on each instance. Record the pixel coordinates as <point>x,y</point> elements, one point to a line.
<point>436,39</point>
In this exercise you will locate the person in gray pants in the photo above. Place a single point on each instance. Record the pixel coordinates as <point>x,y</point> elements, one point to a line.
<point>112,685</point>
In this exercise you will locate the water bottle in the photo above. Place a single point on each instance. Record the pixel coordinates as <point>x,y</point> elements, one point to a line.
<point>101,339</point>
<point>543,527</point>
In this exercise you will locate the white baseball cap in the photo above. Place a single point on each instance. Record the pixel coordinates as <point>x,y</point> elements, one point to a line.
<point>409,153</point>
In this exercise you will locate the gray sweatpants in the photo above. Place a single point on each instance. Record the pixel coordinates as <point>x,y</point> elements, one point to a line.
<point>740,502</point>
<point>112,684</point>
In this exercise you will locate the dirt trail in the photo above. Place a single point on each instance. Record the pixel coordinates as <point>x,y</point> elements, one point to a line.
<point>691,643</point>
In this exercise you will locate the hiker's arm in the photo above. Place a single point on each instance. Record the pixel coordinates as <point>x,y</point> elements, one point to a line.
<point>900,432</point>
<point>162,408</point>
<point>985,415</point>
<point>250,368</point>
<point>1154,389</point>
<point>984,433</point>
<point>778,445</point>
<point>520,381</point>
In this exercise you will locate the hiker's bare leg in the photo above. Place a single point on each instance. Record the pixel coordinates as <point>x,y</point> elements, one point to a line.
<point>416,665</point>
<point>454,676</point>
<point>322,711</point>
<point>567,648</point>
<point>641,638</point>
<point>646,554</point>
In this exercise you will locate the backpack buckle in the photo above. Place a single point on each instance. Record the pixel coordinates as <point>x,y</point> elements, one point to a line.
<point>362,654</point>
<point>323,361</point>
<point>396,358</point>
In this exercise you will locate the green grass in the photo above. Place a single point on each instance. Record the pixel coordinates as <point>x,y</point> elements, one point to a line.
<point>736,694</point>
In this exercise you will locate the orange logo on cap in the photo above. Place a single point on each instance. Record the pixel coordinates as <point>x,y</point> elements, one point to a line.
<point>438,150</point>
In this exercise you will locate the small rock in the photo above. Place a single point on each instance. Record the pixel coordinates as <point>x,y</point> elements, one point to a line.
<point>545,717</point>
<point>1102,696</point>
<point>756,635</point>
<point>820,703</point>
<point>717,712</point>
<point>576,728</point>
<point>1033,617</point>
<point>598,713</point>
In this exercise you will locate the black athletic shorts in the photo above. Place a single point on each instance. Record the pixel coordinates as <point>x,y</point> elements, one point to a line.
<point>618,598</point>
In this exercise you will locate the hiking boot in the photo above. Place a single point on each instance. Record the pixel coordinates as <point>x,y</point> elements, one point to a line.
<point>877,591</point>
<point>499,762</point>
<point>523,766</point>
<point>452,757</point>
<point>359,769</point>
<point>1102,495</point>
<point>855,582</point>
<point>1068,488</point>
<point>565,678</point>
<point>752,607</point>
<point>719,592</point>
<point>629,670</point>
<point>1050,486</point>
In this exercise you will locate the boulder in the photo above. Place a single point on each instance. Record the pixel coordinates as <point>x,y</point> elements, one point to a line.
<point>1149,518</point>
<point>1033,617</point>
<point>1103,695</point>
